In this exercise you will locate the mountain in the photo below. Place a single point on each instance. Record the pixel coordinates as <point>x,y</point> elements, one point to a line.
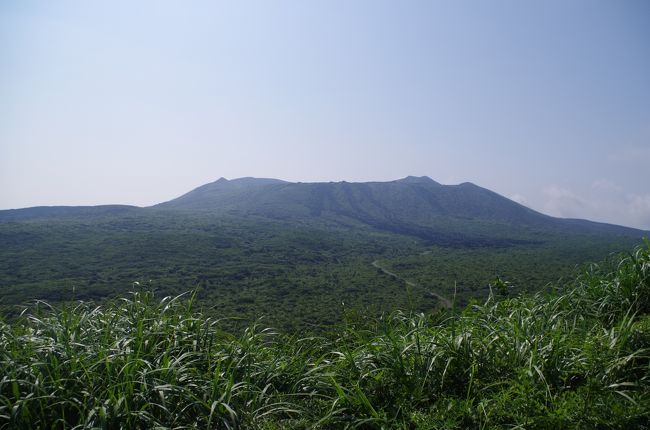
<point>464,215</point>
<point>415,206</point>
<point>416,199</point>
<point>449,215</point>
<point>295,251</point>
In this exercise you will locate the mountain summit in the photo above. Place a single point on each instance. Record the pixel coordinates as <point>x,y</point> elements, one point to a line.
<point>411,199</point>
<point>417,180</point>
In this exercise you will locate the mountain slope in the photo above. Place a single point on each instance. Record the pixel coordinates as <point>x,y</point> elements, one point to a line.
<point>416,206</point>
<point>221,194</point>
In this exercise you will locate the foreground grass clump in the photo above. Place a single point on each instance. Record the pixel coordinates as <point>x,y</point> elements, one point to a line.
<point>577,358</point>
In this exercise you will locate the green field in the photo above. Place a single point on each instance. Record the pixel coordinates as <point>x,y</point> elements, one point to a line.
<point>574,357</point>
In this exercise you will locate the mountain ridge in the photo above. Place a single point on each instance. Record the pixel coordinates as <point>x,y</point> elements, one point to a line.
<point>414,206</point>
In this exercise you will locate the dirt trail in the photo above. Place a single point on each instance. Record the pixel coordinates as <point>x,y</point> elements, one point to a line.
<point>445,301</point>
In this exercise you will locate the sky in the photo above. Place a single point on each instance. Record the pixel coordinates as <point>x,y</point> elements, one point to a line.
<point>545,102</point>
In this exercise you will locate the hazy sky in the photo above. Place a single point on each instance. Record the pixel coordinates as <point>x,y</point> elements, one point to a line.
<point>137,102</point>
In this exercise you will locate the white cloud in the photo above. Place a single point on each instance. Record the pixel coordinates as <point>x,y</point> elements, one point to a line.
<point>563,203</point>
<point>603,201</point>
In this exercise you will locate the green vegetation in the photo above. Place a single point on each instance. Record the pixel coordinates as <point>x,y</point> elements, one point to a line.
<point>574,357</point>
<point>466,273</point>
<point>240,268</point>
<point>297,275</point>
<point>298,254</point>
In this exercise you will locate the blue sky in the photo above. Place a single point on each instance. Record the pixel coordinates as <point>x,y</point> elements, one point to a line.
<point>544,102</point>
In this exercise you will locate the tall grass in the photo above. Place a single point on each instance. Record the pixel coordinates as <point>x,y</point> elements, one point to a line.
<point>576,358</point>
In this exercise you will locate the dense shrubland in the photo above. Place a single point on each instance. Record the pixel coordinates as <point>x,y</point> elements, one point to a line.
<point>297,274</point>
<point>576,357</point>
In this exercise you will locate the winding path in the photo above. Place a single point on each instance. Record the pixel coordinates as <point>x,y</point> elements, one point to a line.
<point>445,301</point>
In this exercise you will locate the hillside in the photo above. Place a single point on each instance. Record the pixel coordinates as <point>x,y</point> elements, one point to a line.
<point>295,253</point>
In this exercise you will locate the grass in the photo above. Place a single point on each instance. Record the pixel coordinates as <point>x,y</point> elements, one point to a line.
<point>577,357</point>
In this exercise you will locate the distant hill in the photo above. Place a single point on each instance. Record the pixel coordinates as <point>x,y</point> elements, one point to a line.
<point>40,212</point>
<point>415,206</point>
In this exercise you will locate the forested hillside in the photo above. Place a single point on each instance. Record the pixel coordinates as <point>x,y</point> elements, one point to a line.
<point>297,275</point>
<point>299,254</point>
